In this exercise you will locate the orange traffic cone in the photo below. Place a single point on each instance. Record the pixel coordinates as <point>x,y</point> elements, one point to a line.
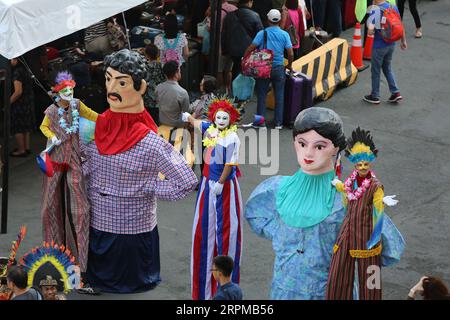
<point>356,53</point>
<point>367,55</point>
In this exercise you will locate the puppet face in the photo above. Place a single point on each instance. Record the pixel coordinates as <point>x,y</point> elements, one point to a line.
<point>66,93</point>
<point>314,152</point>
<point>122,97</point>
<point>363,168</point>
<point>222,120</point>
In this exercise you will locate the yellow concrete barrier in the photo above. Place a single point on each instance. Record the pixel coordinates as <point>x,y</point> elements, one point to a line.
<point>328,66</point>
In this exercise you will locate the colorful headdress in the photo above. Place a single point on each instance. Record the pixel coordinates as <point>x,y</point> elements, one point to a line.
<point>53,260</point>
<point>14,247</point>
<point>360,147</point>
<point>48,281</point>
<point>226,105</point>
<point>63,79</point>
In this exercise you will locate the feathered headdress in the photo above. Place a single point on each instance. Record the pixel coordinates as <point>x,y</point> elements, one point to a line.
<point>360,147</point>
<point>63,79</point>
<point>226,105</point>
<point>14,247</point>
<point>50,259</point>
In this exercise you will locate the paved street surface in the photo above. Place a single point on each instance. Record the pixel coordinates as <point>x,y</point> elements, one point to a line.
<point>414,148</point>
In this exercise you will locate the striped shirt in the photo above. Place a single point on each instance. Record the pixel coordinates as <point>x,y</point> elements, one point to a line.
<point>123,188</point>
<point>98,29</point>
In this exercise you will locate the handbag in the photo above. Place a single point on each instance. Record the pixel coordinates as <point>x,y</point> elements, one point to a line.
<point>202,28</point>
<point>258,63</point>
<point>292,32</point>
<point>243,87</point>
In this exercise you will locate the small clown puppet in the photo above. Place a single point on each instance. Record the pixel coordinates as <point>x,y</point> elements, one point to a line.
<point>366,233</point>
<point>61,127</point>
<point>217,228</point>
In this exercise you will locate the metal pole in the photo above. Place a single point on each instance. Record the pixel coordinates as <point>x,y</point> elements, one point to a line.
<point>216,15</point>
<point>126,30</point>
<point>5,77</point>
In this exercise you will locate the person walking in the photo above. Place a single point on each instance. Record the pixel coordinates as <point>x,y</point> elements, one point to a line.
<point>382,53</point>
<point>294,18</point>
<point>277,40</point>
<point>239,28</point>
<point>414,12</point>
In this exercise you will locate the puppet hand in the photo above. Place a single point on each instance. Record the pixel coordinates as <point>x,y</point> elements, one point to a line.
<point>217,188</point>
<point>418,288</point>
<point>335,182</point>
<point>56,141</point>
<point>390,201</point>
<point>185,116</point>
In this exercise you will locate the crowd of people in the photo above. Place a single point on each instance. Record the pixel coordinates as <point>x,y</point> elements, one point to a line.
<point>114,180</point>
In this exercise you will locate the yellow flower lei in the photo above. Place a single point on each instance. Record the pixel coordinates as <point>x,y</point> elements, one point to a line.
<point>212,141</point>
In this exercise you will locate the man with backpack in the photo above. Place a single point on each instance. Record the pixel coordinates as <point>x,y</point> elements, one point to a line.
<point>239,29</point>
<point>385,23</point>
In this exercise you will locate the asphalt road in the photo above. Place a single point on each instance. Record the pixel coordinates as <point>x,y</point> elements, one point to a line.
<point>412,139</point>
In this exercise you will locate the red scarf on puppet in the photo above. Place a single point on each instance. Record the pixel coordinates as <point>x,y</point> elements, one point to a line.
<point>117,132</point>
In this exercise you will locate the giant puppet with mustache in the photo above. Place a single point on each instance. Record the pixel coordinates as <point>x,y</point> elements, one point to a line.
<point>122,165</point>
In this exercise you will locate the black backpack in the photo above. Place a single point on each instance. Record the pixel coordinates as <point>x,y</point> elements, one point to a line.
<point>234,45</point>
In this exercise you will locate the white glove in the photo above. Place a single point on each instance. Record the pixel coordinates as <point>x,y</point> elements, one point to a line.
<point>185,116</point>
<point>390,201</point>
<point>217,188</point>
<point>56,141</point>
<point>335,182</point>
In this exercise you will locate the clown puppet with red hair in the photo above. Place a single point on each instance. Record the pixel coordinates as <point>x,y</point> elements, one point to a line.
<point>217,228</point>
<point>61,127</point>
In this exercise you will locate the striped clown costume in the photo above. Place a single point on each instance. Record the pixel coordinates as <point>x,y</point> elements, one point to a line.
<point>61,127</point>
<point>217,228</point>
<point>366,233</point>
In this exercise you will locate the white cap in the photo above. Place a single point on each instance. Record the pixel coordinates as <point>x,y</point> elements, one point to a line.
<point>274,15</point>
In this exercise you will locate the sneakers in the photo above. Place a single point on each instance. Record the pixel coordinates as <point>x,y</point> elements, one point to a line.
<point>259,126</point>
<point>87,289</point>
<point>370,99</point>
<point>278,127</point>
<point>396,97</point>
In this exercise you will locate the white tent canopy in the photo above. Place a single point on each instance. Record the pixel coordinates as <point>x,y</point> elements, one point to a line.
<point>27,24</point>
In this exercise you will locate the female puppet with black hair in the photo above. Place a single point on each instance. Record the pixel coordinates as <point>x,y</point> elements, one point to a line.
<point>367,234</point>
<point>302,214</point>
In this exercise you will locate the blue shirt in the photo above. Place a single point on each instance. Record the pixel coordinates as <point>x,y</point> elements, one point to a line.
<point>229,291</point>
<point>375,18</point>
<point>277,41</point>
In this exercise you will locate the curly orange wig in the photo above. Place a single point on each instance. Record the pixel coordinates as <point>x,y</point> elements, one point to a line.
<point>223,105</point>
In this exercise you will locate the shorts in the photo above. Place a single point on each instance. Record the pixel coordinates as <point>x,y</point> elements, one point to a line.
<point>225,64</point>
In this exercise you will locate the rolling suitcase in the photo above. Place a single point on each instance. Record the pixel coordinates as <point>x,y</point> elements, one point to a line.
<point>307,101</point>
<point>293,97</point>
